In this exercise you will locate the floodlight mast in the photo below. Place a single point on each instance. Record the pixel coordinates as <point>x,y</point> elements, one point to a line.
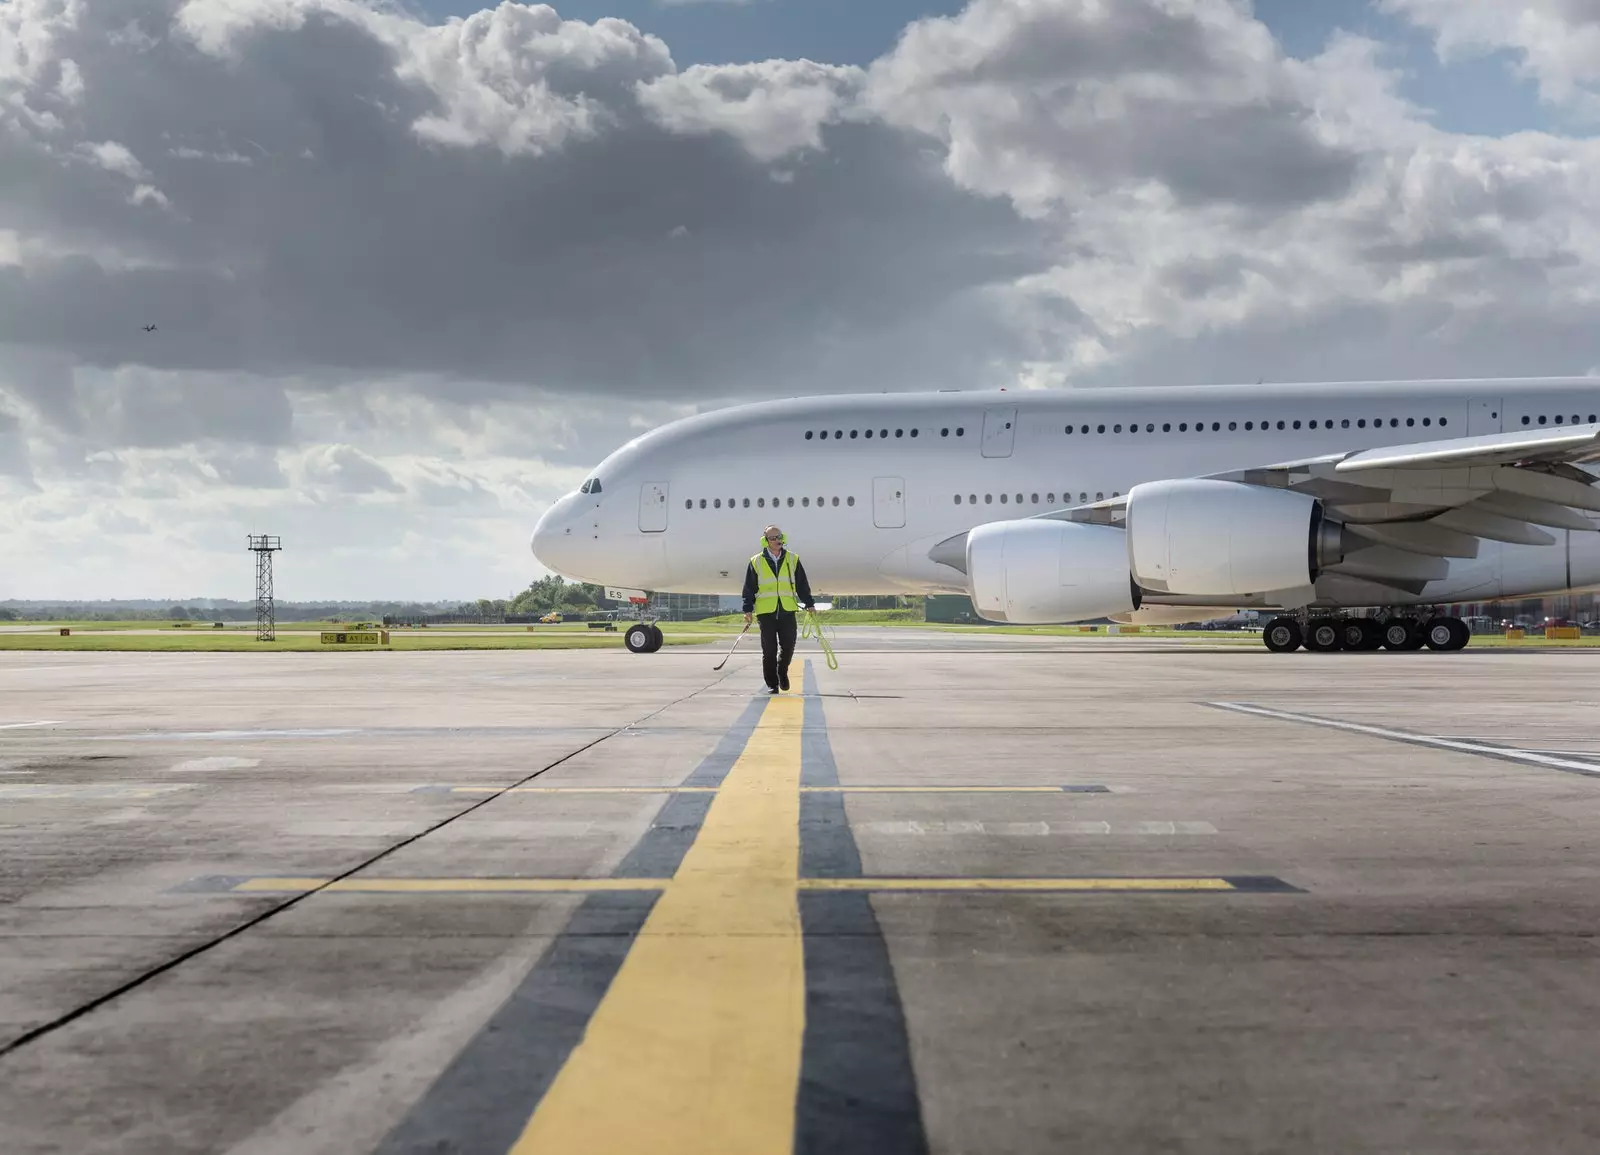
<point>264,546</point>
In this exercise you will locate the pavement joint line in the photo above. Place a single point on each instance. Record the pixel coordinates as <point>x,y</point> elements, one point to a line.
<point>1503,753</point>
<point>78,1012</point>
<point>25,725</point>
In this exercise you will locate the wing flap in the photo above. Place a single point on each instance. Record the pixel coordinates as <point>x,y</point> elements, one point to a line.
<point>1573,443</point>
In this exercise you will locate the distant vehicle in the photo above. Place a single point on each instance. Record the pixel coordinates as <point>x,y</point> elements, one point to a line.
<point>551,618</point>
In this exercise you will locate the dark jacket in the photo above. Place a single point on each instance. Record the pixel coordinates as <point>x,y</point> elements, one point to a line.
<point>802,586</point>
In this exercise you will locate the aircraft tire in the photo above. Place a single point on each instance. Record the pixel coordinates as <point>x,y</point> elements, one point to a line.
<point>1397,634</point>
<point>639,639</point>
<point>1323,636</point>
<point>1282,635</point>
<point>656,638</point>
<point>1440,634</point>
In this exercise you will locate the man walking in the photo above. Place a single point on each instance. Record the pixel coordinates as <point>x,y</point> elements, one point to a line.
<point>775,584</point>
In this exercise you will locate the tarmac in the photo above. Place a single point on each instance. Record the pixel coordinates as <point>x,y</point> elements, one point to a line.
<point>1105,896</point>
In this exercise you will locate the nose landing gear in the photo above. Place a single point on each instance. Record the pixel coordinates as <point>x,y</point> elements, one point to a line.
<point>643,638</point>
<point>1389,631</point>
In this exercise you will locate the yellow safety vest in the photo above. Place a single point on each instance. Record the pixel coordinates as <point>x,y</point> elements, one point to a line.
<point>775,589</point>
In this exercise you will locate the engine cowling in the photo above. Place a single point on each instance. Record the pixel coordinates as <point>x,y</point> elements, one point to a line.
<point>1037,571</point>
<point>1202,537</point>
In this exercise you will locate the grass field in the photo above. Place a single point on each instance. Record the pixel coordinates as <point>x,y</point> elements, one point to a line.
<point>235,641</point>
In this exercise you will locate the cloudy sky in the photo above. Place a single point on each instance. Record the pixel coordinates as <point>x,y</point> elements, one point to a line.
<point>415,266</point>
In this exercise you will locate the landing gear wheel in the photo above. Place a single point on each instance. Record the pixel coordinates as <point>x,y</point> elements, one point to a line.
<point>1361,634</point>
<point>1282,635</point>
<point>1446,634</point>
<point>656,638</point>
<point>1323,636</point>
<point>1399,634</point>
<point>640,639</point>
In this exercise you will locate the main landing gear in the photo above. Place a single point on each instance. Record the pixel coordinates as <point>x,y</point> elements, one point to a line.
<point>643,638</point>
<point>1324,635</point>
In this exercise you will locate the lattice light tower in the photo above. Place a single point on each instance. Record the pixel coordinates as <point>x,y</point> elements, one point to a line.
<point>264,546</point>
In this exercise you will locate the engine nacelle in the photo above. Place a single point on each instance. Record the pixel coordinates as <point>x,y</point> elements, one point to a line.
<point>1038,571</point>
<point>1203,537</point>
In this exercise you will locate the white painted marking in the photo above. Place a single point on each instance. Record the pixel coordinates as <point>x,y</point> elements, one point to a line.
<point>355,828</point>
<point>126,814</point>
<point>25,725</point>
<point>219,763</point>
<point>29,791</point>
<point>1528,756</point>
<point>210,735</point>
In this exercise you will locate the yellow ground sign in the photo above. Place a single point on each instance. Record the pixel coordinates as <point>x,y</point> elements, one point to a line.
<point>355,638</point>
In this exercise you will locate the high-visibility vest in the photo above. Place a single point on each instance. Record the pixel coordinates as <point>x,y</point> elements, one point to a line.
<point>775,589</point>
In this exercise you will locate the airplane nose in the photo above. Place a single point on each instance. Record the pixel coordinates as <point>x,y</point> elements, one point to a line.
<point>551,539</point>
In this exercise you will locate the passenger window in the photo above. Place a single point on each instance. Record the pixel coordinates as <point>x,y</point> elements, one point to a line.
<point>702,503</point>
<point>972,499</point>
<point>988,499</point>
<point>913,433</point>
<point>824,435</point>
<point>1166,427</point>
<point>806,501</point>
<point>958,499</point>
<point>1035,499</point>
<point>1183,427</point>
<point>1002,499</point>
<point>853,434</point>
<point>791,503</point>
<point>883,433</point>
<point>761,503</point>
<point>808,435</point>
<point>689,503</point>
<point>960,431</point>
<point>869,435</point>
<point>945,432</point>
<point>1082,497</point>
<point>717,503</point>
<point>849,501</point>
<point>836,501</point>
<point>747,503</point>
<point>1100,496</point>
<point>1100,429</point>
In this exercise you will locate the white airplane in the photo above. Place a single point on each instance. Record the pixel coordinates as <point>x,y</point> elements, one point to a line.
<point>1142,505</point>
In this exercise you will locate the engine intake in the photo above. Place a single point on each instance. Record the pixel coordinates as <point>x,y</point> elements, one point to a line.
<point>1038,571</point>
<point>1203,537</point>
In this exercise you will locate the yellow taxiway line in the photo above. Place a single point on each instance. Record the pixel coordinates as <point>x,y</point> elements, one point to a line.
<point>700,1033</point>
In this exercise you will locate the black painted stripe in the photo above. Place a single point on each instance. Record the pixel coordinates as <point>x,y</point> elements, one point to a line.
<point>482,1102</point>
<point>827,847</point>
<point>484,1098</point>
<point>858,1089</point>
<point>677,823</point>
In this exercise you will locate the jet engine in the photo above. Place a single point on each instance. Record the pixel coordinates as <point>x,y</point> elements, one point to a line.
<point>1203,537</point>
<point>1039,570</point>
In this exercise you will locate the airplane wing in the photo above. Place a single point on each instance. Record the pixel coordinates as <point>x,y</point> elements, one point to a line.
<point>1415,506</point>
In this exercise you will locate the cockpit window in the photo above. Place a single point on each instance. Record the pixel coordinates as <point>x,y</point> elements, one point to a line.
<point>591,486</point>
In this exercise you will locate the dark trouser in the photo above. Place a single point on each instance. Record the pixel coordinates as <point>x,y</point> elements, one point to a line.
<point>777,629</point>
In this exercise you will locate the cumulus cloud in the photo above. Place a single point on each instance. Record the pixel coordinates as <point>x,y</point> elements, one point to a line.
<point>1557,42</point>
<point>440,269</point>
<point>346,470</point>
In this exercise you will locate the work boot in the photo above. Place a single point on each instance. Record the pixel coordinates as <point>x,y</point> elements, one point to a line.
<point>783,679</point>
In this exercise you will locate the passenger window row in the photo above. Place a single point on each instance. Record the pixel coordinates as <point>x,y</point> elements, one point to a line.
<point>1216,426</point>
<point>881,434</point>
<point>1031,499</point>
<point>1560,419</point>
<point>761,502</point>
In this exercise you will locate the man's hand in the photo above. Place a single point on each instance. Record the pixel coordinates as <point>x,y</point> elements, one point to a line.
<point>747,619</point>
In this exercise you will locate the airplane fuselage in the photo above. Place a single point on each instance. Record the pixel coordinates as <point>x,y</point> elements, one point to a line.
<point>865,485</point>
